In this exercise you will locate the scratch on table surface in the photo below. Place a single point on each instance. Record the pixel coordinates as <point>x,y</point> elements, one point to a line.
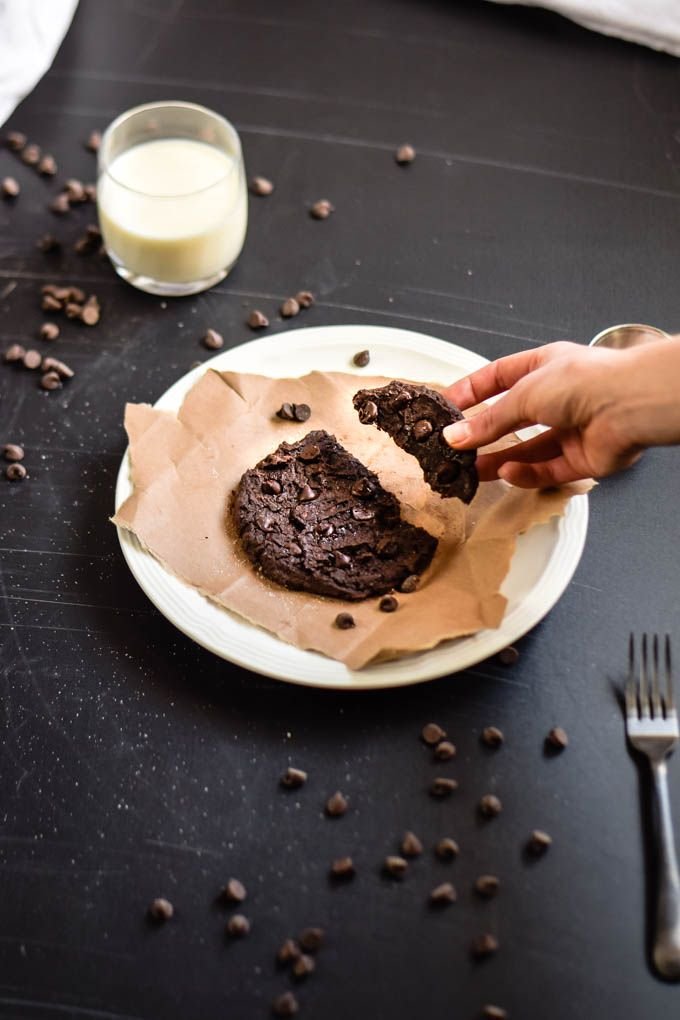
<point>590,587</point>
<point>498,678</point>
<point>65,1007</point>
<point>55,552</point>
<point>7,290</point>
<point>78,605</point>
<point>161,844</point>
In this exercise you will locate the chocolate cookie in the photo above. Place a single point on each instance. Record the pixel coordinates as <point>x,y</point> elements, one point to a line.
<point>414,417</point>
<point>311,517</point>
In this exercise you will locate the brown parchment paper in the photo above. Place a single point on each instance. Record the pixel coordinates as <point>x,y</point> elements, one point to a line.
<point>184,468</point>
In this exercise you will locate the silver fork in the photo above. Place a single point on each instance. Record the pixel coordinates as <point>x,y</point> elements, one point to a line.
<point>652,728</point>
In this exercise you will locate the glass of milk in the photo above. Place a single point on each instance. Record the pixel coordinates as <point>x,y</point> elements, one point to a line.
<point>172,197</point>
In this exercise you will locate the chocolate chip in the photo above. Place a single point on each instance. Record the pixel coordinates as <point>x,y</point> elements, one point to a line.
<point>361,513</point>
<point>307,494</point>
<point>386,547</point>
<point>487,885</point>
<point>447,472</point>
<point>14,353</point>
<point>336,805</point>
<point>310,452</point>
<point>49,331</point>
<point>368,413</point>
<point>94,141</point>
<point>322,209</point>
<point>293,778</point>
<point>432,733</point>
<point>289,308</point>
<point>16,140</point>
<point>261,186</point>
<point>30,154</point>
<point>362,488</point>
<point>342,867</point>
<point>234,891</point>
<point>49,303</point>
<point>213,340</point>
<point>447,848</point>
<point>51,381</point>
<point>508,656</point>
<point>557,739</point>
<point>286,412</point>
<point>271,487</point>
<point>89,242</point>
<point>443,894</point>
<point>238,926</point>
<point>256,320</point>
<point>289,951</point>
<point>60,204</point>
<point>74,190</point>
<point>492,736</point>
<point>388,604</point>
<point>90,312</point>
<point>311,939</point>
<point>90,192</point>
<point>304,298</point>
<point>49,243</point>
<point>13,452</point>
<point>10,187</point>
<point>411,845</point>
<point>47,166</point>
<point>72,293</point>
<point>445,750</point>
<point>395,866</point>
<point>494,1013</point>
<point>32,359</point>
<point>361,359</point>
<point>405,154</point>
<point>16,472</point>
<point>539,842</point>
<point>303,966</point>
<point>285,1004</point>
<point>422,429</point>
<point>443,787</point>
<point>484,945</point>
<point>161,909</point>
<point>409,584</point>
<point>490,805</point>
<point>341,559</point>
<point>53,365</point>
<point>301,412</point>
<point>326,530</point>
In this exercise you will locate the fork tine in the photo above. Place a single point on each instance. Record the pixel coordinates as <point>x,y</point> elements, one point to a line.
<point>656,695</point>
<point>644,698</point>
<point>631,695</point>
<point>670,703</point>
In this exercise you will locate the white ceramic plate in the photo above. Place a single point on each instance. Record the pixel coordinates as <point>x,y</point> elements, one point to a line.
<point>543,564</point>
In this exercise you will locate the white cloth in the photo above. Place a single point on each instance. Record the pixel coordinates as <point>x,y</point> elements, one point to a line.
<point>654,23</point>
<point>31,32</point>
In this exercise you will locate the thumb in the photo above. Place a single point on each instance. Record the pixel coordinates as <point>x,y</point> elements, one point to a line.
<point>490,424</point>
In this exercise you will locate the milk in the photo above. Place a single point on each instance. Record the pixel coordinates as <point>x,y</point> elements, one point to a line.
<point>173,210</point>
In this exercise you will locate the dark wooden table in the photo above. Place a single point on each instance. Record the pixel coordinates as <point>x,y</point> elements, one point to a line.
<point>543,204</point>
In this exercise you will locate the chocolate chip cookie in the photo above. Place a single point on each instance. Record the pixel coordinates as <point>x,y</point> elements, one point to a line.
<point>414,416</point>
<point>312,518</point>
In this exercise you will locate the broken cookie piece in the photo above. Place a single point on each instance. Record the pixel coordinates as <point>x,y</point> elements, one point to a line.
<point>415,416</point>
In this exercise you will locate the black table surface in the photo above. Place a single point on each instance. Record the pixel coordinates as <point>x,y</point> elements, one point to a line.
<point>543,204</point>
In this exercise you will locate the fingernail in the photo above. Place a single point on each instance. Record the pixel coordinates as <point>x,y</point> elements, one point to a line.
<point>459,432</point>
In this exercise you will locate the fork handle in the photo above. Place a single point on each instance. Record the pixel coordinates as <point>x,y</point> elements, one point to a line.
<point>666,951</point>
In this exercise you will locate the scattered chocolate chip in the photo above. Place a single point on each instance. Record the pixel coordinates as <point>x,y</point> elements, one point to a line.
<point>289,308</point>
<point>14,353</point>
<point>421,430</point>
<point>13,452</point>
<point>32,359</point>
<point>10,187</point>
<point>484,945</point>
<point>30,154</point>
<point>16,472</point>
<point>361,359</point>
<point>51,381</point>
<point>557,739</point>
<point>16,140</point>
<point>293,778</point>
<point>342,867</point>
<point>443,787</point>
<point>336,805</point>
<point>490,805</point>
<point>322,209</point>
<point>432,733</point>
<point>261,186</point>
<point>409,584</point>
<point>443,894</point>
<point>388,604</point>
<point>50,304</point>
<point>49,331</point>
<point>72,293</point>
<point>256,320</point>
<point>286,412</point>
<point>508,656</point>
<point>238,926</point>
<point>447,848</point>
<point>368,413</point>
<point>49,243</point>
<point>301,412</point>
<point>539,842</point>
<point>487,885</point>
<point>91,196</point>
<point>53,365</point>
<point>405,154</point>
<point>47,166</point>
<point>89,242</point>
<point>213,340</point>
<point>234,891</point>
<point>411,845</point>
<point>445,750</point>
<point>161,909</point>
<point>492,736</point>
<point>494,1013</point>
<point>395,866</point>
<point>289,951</point>
<point>303,966</point>
<point>90,312</point>
<point>94,141</point>
<point>285,1004</point>
<point>304,298</point>
<point>60,204</point>
<point>307,494</point>
<point>74,190</point>
<point>311,939</point>
<point>73,310</point>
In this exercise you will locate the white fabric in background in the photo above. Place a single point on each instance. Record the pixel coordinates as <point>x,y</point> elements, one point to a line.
<point>654,23</point>
<point>31,32</point>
